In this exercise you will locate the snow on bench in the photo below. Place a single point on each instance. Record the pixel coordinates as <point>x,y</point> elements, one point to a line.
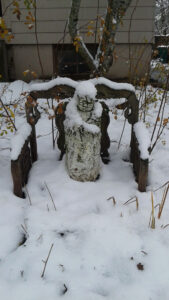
<point>113,85</point>
<point>21,158</point>
<point>143,139</point>
<point>19,139</point>
<point>43,86</point>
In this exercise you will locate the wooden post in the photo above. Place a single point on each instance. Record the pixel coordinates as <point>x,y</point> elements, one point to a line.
<point>16,171</point>
<point>140,166</point>
<point>143,174</point>
<point>20,169</point>
<point>33,145</point>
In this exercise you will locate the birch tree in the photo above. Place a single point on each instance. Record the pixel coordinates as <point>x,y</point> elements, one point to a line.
<point>101,63</point>
<point>162,17</point>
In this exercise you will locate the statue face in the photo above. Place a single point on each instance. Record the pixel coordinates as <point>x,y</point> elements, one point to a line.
<point>85,104</point>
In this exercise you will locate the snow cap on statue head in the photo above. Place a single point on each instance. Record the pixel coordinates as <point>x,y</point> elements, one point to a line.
<point>86,89</point>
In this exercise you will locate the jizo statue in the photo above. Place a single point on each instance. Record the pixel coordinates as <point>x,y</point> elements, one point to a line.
<point>83,134</point>
<point>83,121</point>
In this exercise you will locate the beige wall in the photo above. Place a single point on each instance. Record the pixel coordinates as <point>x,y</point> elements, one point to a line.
<point>53,14</point>
<point>133,66</point>
<point>137,30</point>
<point>25,57</point>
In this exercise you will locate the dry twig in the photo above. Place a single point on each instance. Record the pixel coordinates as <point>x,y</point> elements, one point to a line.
<point>50,196</point>
<point>163,201</point>
<point>46,261</point>
<point>152,218</point>
<point>131,200</point>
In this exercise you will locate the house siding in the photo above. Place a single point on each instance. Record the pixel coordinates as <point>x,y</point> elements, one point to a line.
<point>52,16</point>
<point>137,29</point>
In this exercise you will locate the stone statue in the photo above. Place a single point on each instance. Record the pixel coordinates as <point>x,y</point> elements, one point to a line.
<point>83,134</point>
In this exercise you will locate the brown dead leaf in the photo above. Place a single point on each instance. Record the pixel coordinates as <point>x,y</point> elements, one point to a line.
<point>140,266</point>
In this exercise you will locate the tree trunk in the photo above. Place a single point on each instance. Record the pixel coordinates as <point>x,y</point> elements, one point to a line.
<point>100,64</point>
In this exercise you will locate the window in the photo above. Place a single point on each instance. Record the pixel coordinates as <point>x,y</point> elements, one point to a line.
<point>68,62</point>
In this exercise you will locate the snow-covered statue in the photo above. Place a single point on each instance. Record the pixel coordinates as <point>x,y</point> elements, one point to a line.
<point>82,124</point>
<point>83,133</point>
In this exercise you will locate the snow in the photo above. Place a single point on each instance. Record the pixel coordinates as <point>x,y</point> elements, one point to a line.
<point>73,118</point>
<point>112,84</point>
<point>97,245</point>
<point>13,92</point>
<point>19,139</point>
<point>143,138</point>
<point>43,86</point>
<point>98,110</point>
<point>67,81</point>
<point>87,89</point>
<point>163,46</point>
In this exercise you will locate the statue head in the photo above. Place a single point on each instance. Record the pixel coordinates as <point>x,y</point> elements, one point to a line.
<point>85,103</point>
<point>85,96</point>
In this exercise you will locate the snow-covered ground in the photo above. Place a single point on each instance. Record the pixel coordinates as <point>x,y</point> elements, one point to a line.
<point>97,249</point>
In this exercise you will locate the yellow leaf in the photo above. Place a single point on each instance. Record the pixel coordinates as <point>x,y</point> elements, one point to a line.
<point>15,3</point>
<point>102,22</point>
<point>25,72</point>
<point>12,113</point>
<point>60,109</point>
<point>165,121</point>
<point>34,74</point>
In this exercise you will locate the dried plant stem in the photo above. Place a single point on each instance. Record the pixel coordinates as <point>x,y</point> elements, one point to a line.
<point>129,39</point>
<point>157,118</point>
<point>152,220</point>
<point>46,261</point>
<point>24,229</point>
<point>4,107</point>
<point>131,200</point>
<point>6,8</point>
<point>53,131</point>
<point>121,134</point>
<point>165,226</point>
<point>161,186</point>
<point>161,108</point>
<point>113,199</point>
<point>28,194</point>
<point>163,201</point>
<point>157,138</point>
<point>50,196</point>
<point>97,18</point>
<point>37,41</point>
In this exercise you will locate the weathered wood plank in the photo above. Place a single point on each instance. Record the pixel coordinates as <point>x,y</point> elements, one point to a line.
<point>140,166</point>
